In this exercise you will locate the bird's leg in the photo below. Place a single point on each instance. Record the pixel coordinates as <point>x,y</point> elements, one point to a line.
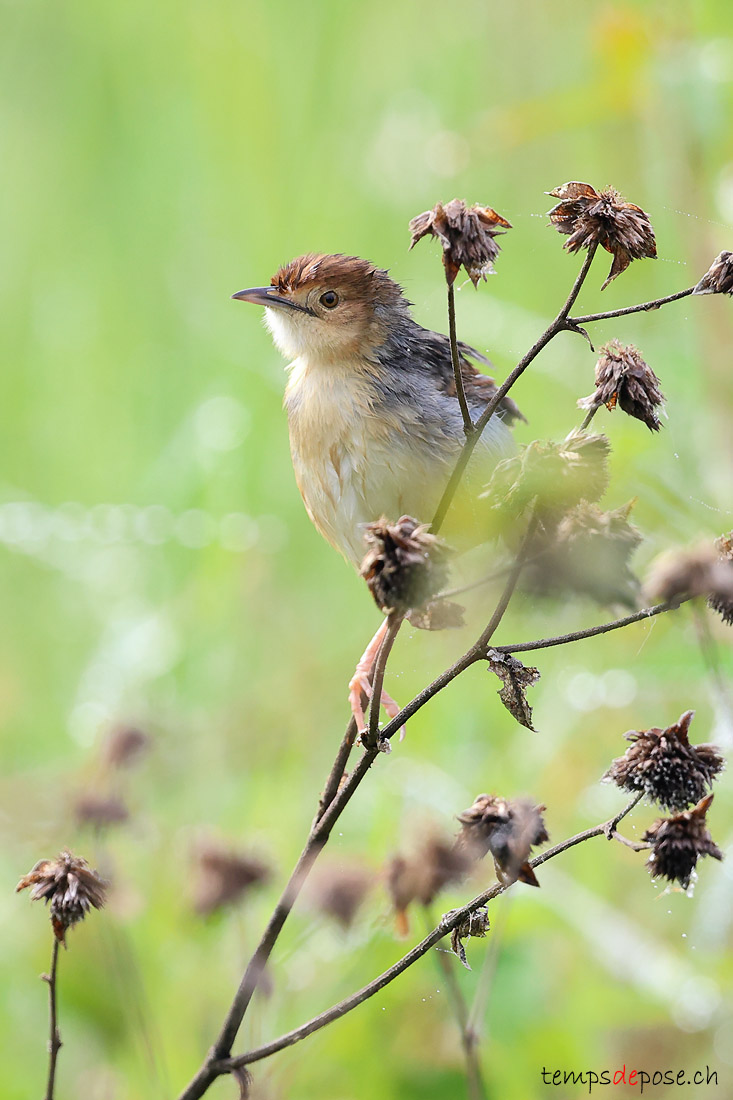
<point>360,683</point>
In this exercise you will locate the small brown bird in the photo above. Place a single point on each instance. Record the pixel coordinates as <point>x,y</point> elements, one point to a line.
<point>375,424</point>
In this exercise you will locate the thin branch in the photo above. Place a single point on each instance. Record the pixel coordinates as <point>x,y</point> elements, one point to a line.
<point>645,307</point>
<point>446,925</point>
<point>460,389</point>
<point>394,622</point>
<point>611,825</point>
<point>588,417</point>
<point>558,325</point>
<point>469,1038</point>
<point>337,770</point>
<point>592,631</point>
<point>636,846</point>
<point>54,1040</point>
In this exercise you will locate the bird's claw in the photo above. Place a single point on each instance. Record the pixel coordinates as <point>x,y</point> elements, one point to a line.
<point>359,685</point>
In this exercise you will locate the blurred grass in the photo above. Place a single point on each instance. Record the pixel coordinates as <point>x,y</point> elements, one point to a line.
<point>157,158</point>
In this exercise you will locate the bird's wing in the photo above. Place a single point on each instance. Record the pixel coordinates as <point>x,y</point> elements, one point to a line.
<point>480,388</point>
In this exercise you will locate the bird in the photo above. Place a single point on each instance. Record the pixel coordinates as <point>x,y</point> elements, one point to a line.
<point>373,415</point>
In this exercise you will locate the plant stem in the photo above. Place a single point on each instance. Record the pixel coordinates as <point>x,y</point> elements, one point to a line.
<point>588,417</point>
<point>460,390</point>
<point>54,1041</point>
<point>645,307</point>
<point>394,622</point>
<point>558,325</point>
<point>446,925</point>
<point>592,631</point>
<point>469,1038</point>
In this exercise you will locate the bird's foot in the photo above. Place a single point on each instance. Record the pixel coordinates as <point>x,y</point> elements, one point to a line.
<point>360,685</point>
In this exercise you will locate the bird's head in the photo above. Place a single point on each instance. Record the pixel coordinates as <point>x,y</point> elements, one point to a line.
<point>329,307</point>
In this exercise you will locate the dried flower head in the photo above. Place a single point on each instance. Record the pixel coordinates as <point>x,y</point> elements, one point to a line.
<point>694,571</point>
<point>555,475</point>
<point>71,887</point>
<point>722,601</point>
<point>124,746</point>
<point>718,279</point>
<point>467,235</point>
<point>434,864</point>
<point>404,565</point>
<point>624,379</point>
<point>588,554</point>
<point>339,889</point>
<point>507,829</point>
<point>224,876</point>
<point>592,217</point>
<point>474,924</point>
<point>666,767</point>
<point>100,811</point>
<point>678,842</point>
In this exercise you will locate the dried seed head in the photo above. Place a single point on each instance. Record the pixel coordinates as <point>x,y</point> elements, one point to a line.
<point>467,235</point>
<point>604,218</point>
<point>695,571</point>
<point>718,279</point>
<point>473,924</point>
<point>434,864</point>
<point>224,877</point>
<point>624,379</point>
<point>588,554</point>
<point>722,601</point>
<point>124,746</point>
<point>507,829</point>
<point>100,811</point>
<point>339,889</point>
<point>678,842</point>
<point>666,767</point>
<point>71,887</point>
<point>555,475</point>
<point>404,565</point>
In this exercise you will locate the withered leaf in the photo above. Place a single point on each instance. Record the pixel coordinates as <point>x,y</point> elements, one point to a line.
<point>516,678</point>
<point>475,924</point>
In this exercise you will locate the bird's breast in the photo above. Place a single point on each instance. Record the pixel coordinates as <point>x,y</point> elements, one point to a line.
<point>357,456</point>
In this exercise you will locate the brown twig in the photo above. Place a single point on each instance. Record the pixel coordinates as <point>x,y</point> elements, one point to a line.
<point>558,325</point>
<point>645,307</point>
<point>394,622</point>
<point>468,425</point>
<point>591,631</point>
<point>446,925</point>
<point>54,1040</point>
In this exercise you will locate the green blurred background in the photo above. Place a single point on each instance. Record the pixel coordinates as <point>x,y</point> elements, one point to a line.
<point>158,567</point>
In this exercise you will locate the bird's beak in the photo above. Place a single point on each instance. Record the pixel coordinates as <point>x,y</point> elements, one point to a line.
<point>267,296</point>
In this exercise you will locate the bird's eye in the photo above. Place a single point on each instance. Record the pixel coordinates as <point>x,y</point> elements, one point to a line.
<point>329,299</point>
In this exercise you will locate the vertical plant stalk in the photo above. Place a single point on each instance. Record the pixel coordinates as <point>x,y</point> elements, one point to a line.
<point>469,1038</point>
<point>558,325</point>
<point>394,622</point>
<point>54,1040</point>
<point>588,417</point>
<point>468,425</point>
